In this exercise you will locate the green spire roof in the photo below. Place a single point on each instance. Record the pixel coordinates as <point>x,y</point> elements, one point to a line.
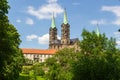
<point>65,20</point>
<point>97,31</point>
<point>53,25</point>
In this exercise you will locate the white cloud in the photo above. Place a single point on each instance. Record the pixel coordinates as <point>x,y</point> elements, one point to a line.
<point>29,21</point>
<point>117,33</point>
<point>114,9</point>
<point>58,37</point>
<point>31,37</point>
<point>117,22</point>
<point>52,1</point>
<point>18,21</point>
<point>95,22</point>
<point>43,39</point>
<point>46,11</point>
<point>118,42</point>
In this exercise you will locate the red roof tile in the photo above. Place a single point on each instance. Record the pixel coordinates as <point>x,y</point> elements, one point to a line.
<point>38,51</point>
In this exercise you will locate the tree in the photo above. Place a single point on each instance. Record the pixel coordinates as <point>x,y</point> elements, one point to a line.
<point>92,43</point>
<point>98,59</point>
<point>59,66</point>
<point>11,57</point>
<point>38,69</point>
<point>28,61</point>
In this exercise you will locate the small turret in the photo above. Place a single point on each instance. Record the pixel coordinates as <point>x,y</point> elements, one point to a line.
<point>97,30</point>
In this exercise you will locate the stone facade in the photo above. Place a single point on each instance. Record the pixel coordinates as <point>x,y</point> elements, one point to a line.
<point>55,43</point>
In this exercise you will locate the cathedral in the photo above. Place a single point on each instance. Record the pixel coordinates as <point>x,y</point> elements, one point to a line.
<point>65,41</point>
<point>55,44</point>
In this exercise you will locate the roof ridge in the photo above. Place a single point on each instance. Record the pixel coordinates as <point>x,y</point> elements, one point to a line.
<point>38,51</point>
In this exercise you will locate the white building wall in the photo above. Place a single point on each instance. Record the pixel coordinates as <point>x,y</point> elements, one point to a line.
<point>42,57</point>
<point>29,56</point>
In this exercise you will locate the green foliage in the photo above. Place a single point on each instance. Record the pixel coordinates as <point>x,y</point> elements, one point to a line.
<point>92,43</point>
<point>98,59</point>
<point>28,61</point>
<point>59,66</point>
<point>28,73</point>
<point>11,57</point>
<point>23,77</point>
<point>38,69</point>
<point>4,7</point>
<point>26,69</point>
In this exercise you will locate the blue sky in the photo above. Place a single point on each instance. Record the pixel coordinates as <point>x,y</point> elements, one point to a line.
<point>32,18</point>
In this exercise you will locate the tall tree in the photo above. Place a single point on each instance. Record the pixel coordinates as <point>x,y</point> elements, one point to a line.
<point>92,42</point>
<point>10,55</point>
<point>98,59</point>
<point>59,66</point>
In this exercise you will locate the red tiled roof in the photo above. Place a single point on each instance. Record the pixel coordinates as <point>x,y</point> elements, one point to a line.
<point>38,51</point>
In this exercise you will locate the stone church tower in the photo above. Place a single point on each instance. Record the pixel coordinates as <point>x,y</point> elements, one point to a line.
<point>65,31</point>
<point>52,33</point>
<point>54,42</point>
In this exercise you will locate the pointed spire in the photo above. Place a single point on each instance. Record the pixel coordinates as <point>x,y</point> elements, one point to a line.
<point>98,31</point>
<point>53,25</point>
<point>65,20</point>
